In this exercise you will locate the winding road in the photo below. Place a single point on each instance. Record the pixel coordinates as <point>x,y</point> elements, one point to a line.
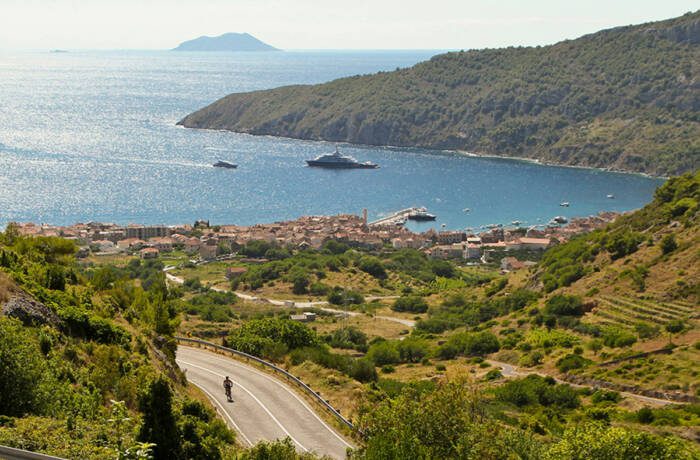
<point>263,407</point>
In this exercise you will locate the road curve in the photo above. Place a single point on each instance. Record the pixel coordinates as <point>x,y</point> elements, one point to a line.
<point>263,407</point>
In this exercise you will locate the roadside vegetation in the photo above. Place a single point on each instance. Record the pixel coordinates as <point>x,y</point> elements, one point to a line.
<point>437,360</point>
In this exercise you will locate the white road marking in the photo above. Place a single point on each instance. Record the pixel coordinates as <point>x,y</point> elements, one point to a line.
<point>248,368</point>
<point>216,401</point>
<point>256,400</point>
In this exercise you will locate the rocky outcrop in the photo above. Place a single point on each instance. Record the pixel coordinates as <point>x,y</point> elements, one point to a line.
<point>28,310</point>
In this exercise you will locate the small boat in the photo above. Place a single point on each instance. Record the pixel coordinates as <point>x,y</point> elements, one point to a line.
<point>515,222</point>
<point>466,210</point>
<point>224,164</point>
<point>611,196</point>
<point>564,204</point>
<point>560,220</point>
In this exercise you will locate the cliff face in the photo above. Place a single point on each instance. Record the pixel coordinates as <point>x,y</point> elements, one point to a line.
<point>625,98</point>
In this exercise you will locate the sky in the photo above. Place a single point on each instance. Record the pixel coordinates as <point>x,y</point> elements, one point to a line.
<point>319,24</point>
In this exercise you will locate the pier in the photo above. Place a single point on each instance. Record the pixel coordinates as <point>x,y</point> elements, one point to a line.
<point>397,218</point>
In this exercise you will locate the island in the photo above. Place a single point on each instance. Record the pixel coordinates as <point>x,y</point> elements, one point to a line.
<point>625,99</point>
<point>226,42</point>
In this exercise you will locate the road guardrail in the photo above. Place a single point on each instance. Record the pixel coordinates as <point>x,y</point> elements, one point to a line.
<point>10,453</point>
<point>278,370</point>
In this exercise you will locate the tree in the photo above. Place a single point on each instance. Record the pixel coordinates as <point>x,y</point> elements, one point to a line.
<point>159,422</point>
<point>674,327</point>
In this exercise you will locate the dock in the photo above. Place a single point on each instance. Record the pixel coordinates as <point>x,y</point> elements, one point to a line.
<point>397,218</point>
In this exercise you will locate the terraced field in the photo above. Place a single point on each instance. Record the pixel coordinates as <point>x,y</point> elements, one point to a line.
<point>628,312</point>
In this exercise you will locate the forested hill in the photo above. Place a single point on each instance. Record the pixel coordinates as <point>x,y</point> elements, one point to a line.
<point>625,98</point>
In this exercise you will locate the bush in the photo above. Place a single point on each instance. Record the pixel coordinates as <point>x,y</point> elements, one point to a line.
<point>600,396</point>
<point>534,389</point>
<point>372,266</point>
<point>340,296</point>
<point>349,338</point>
<point>410,303</point>
<point>564,305</point>
<point>616,337</point>
<point>471,344</point>
<point>493,374</point>
<point>384,352</point>
<point>22,370</point>
<point>571,362</point>
<point>645,415</point>
<point>668,244</point>
<point>412,350</point>
<point>271,337</point>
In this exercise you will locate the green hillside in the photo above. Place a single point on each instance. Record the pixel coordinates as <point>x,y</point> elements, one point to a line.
<point>625,98</point>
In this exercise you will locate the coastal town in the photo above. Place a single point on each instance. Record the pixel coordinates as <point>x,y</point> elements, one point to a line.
<point>207,242</point>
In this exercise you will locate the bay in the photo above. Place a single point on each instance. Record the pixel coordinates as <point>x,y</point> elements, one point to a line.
<point>92,136</point>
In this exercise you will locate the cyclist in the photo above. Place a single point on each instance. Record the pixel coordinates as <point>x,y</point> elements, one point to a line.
<point>228,384</point>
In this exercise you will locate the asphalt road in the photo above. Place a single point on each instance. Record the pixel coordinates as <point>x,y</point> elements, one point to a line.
<point>263,407</point>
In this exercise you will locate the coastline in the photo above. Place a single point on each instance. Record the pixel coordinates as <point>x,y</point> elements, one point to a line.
<point>437,151</point>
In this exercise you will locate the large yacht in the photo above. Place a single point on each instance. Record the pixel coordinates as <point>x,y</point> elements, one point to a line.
<point>420,214</point>
<point>337,161</point>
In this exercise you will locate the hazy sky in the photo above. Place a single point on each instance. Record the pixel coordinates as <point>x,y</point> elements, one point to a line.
<point>316,24</point>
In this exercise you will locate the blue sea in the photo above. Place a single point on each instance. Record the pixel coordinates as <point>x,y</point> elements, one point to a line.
<point>91,136</point>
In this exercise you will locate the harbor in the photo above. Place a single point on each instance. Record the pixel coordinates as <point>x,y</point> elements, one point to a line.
<point>397,218</point>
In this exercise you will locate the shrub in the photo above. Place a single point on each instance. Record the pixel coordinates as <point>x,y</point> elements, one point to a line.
<point>271,337</point>
<point>348,337</point>
<point>600,396</point>
<point>571,362</point>
<point>564,305</point>
<point>493,374</point>
<point>645,415</point>
<point>372,266</point>
<point>534,389</point>
<point>384,352</point>
<point>616,337</point>
<point>668,244</point>
<point>410,303</point>
<point>340,296</point>
<point>471,344</point>
<point>412,350</point>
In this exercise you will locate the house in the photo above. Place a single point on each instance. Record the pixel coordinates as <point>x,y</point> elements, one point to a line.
<point>192,245</point>
<point>509,264</point>
<point>163,244</point>
<point>450,237</point>
<point>305,317</point>
<point>130,243</point>
<point>105,246</point>
<point>530,244</point>
<point>208,251</point>
<point>235,272</point>
<point>148,253</point>
<point>451,251</point>
<point>472,251</point>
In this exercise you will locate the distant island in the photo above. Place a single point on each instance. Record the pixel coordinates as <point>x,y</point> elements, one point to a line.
<point>627,98</point>
<point>226,42</point>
